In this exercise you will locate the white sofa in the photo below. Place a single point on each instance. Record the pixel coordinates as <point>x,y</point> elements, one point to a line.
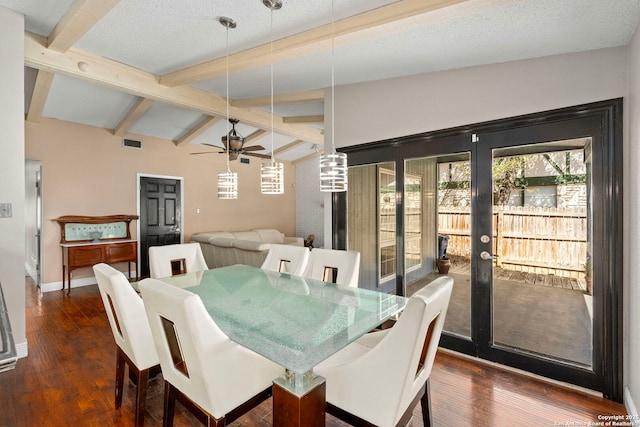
<point>221,248</point>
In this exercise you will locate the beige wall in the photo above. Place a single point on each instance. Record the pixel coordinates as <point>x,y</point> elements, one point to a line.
<point>86,171</point>
<point>12,171</point>
<point>632,232</point>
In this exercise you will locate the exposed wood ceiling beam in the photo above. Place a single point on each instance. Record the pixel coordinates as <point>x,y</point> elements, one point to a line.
<point>79,18</point>
<point>197,130</point>
<point>250,139</point>
<point>285,98</point>
<point>307,157</point>
<point>132,116</point>
<point>39,96</point>
<point>304,119</point>
<point>311,41</point>
<point>289,146</point>
<point>104,72</point>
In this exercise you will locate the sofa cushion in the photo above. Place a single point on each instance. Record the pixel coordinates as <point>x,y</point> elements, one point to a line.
<point>269,235</point>
<point>222,242</point>
<point>247,235</point>
<point>249,245</point>
<point>204,237</point>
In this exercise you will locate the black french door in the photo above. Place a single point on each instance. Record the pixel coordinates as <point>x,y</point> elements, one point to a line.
<point>531,210</point>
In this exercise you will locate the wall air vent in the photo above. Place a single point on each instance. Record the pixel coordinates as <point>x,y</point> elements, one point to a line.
<point>244,160</point>
<point>132,143</point>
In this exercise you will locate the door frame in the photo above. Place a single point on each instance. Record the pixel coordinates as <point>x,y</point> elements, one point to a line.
<point>607,365</point>
<point>33,260</point>
<point>139,178</point>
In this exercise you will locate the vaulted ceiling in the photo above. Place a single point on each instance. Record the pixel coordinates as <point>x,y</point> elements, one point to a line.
<point>159,67</point>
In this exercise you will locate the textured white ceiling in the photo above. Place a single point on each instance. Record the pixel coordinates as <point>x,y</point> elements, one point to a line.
<point>160,36</point>
<point>165,35</point>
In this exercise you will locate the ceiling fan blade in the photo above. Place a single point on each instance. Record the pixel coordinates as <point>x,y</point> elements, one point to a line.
<point>262,156</point>
<point>205,152</point>
<point>212,145</point>
<point>253,148</point>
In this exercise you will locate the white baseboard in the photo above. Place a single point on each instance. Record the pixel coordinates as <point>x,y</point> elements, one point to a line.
<point>22,349</point>
<point>75,283</point>
<point>30,271</point>
<point>631,408</point>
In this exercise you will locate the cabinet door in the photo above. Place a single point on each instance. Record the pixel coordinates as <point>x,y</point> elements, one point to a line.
<point>85,255</point>
<point>119,252</point>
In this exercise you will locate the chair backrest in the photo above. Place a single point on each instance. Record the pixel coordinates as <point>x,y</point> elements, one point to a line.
<point>286,259</point>
<point>196,356</point>
<point>169,260</point>
<point>127,317</point>
<point>336,266</point>
<point>404,357</point>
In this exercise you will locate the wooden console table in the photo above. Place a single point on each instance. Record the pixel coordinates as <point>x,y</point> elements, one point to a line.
<point>90,240</point>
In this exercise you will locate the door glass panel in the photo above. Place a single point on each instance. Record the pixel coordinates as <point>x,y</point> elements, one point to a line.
<point>387,220</point>
<point>542,297</point>
<point>437,217</point>
<point>371,223</point>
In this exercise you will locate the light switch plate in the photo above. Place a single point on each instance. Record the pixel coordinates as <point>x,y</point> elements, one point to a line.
<point>5,210</point>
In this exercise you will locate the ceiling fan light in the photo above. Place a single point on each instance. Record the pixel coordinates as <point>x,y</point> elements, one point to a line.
<point>227,185</point>
<point>272,177</point>
<point>333,172</point>
<point>273,4</point>
<point>236,143</point>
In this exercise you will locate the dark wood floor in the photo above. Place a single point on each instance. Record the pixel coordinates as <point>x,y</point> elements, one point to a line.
<point>68,379</point>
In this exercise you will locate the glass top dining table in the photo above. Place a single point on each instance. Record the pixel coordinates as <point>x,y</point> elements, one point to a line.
<point>294,321</point>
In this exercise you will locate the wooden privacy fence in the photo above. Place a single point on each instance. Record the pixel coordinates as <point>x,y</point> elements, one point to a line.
<point>532,239</point>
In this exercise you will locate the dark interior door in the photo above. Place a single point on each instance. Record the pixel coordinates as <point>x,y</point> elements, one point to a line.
<point>160,216</point>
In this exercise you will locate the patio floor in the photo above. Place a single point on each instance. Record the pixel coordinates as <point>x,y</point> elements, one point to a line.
<point>549,316</point>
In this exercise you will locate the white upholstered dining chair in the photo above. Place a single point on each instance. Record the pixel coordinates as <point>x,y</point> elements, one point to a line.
<point>131,332</point>
<point>335,266</point>
<point>200,364</point>
<point>379,378</point>
<point>286,259</point>
<point>169,260</point>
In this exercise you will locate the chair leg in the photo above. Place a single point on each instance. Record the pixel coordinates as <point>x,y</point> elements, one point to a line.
<point>119,377</point>
<point>169,405</point>
<point>425,402</point>
<point>142,378</point>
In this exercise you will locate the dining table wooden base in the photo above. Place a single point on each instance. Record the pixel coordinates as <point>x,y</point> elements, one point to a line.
<point>293,410</point>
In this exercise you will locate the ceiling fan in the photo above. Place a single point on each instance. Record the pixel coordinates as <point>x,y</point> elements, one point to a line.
<point>234,143</point>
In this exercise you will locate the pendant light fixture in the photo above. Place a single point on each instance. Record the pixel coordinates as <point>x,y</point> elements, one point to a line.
<point>227,181</point>
<point>272,172</point>
<point>333,166</point>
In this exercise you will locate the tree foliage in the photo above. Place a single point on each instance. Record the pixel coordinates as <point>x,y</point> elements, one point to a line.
<point>506,171</point>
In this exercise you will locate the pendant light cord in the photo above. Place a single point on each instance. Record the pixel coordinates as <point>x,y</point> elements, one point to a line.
<point>227,98</point>
<point>271,62</point>
<point>333,83</point>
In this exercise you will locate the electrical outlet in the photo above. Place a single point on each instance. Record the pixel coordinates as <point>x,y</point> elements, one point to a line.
<point>5,210</point>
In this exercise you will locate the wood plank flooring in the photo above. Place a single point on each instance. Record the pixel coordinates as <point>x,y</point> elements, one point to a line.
<point>68,380</point>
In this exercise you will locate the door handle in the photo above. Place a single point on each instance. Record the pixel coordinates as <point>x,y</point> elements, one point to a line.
<point>487,256</point>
